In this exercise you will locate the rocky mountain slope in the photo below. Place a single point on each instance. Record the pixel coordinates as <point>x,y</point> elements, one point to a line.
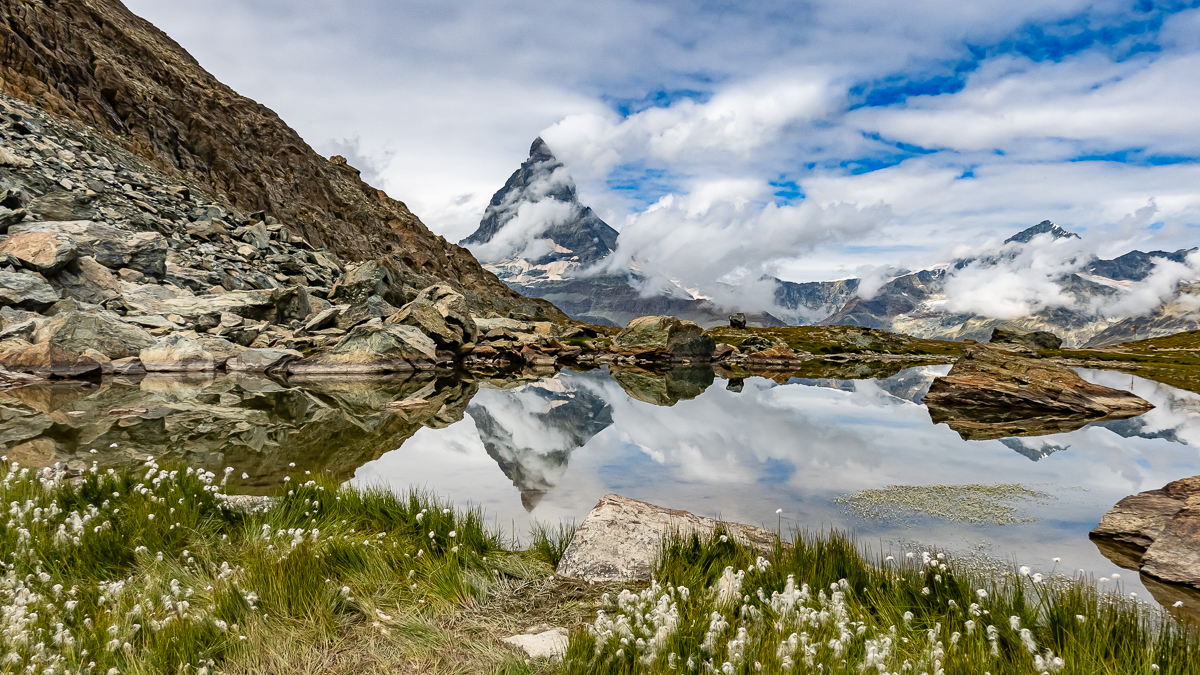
<point>94,62</point>
<point>540,240</point>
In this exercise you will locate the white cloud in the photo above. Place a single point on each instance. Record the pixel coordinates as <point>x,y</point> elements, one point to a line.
<point>445,99</point>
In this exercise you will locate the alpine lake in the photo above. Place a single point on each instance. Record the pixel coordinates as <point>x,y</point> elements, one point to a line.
<point>848,447</point>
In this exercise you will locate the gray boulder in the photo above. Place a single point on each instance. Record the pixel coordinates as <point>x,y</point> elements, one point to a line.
<point>88,281</point>
<point>112,247</point>
<point>10,217</point>
<point>263,360</point>
<point>374,308</point>
<point>373,347</point>
<point>48,360</point>
<point>42,252</point>
<point>1036,340</point>
<point>26,290</point>
<point>176,353</point>
<point>621,537</point>
<point>737,320</point>
<point>99,330</point>
<point>359,283</point>
<point>221,349</point>
<point>441,313</point>
<point>664,336</point>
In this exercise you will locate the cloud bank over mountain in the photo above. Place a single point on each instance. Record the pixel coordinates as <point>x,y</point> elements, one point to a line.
<point>806,141</point>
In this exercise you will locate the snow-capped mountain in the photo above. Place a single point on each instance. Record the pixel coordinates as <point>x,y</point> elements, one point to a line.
<point>540,240</point>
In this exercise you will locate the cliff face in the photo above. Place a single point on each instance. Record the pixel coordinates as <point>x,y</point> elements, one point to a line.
<point>96,62</point>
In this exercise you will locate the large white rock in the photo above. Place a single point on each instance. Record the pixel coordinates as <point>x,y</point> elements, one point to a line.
<point>621,538</point>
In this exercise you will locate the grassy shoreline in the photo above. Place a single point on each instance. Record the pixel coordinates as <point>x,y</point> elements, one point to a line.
<point>148,571</point>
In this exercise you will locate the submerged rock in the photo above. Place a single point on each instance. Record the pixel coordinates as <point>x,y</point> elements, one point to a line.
<point>621,537</point>
<point>987,378</point>
<point>664,336</point>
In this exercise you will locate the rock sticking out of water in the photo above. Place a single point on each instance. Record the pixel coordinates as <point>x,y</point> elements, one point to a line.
<point>993,504</point>
<point>620,538</point>
<point>1160,530</point>
<point>993,392</point>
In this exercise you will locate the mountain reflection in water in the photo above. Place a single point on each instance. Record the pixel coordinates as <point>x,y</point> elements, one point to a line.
<point>547,446</point>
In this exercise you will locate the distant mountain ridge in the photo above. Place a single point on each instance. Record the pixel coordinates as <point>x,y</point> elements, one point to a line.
<point>540,240</point>
<point>913,302</point>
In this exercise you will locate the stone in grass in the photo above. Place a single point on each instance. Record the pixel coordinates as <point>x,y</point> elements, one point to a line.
<point>620,538</point>
<point>541,644</point>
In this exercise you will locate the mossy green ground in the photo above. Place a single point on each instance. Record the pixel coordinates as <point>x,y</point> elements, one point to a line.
<point>147,571</point>
<point>829,340</point>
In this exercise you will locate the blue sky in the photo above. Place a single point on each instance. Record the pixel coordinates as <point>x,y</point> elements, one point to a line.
<point>810,140</point>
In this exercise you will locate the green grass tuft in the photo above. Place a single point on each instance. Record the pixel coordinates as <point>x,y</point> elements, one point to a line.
<point>549,542</point>
<point>821,606</point>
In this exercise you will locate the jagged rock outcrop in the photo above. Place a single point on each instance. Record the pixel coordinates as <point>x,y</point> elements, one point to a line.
<point>95,62</point>
<point>440,313</point>
<point>993,392</point>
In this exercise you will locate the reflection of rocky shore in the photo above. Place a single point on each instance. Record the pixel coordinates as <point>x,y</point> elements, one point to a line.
<point>531,431</point>
<point>255,424</point>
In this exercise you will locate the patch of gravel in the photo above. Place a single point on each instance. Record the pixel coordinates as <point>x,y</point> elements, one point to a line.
<point>980,504</point>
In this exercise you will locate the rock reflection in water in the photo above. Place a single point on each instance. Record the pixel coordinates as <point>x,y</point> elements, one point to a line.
<point>255,424</point>
<point>1129,557</point>
<point>664,388</point>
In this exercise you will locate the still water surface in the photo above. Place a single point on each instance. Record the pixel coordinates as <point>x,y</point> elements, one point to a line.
<point>547,449</point>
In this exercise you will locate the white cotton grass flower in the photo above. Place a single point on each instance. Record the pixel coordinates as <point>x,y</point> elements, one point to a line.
<point>1177,603</point>
<point>778,511</point>
<point>1024,570</point>
<point>1037,578</point>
